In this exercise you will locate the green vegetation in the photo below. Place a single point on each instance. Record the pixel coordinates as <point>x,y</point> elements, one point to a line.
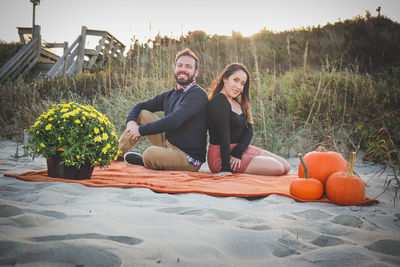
<point>338,84</point>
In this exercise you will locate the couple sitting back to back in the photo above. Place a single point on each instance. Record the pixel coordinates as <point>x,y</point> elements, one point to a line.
<point>179,139</point>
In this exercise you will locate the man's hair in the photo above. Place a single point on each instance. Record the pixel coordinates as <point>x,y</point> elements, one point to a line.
<point>190,53</point>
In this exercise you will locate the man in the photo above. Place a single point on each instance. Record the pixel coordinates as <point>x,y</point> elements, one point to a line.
<point>178,139</point>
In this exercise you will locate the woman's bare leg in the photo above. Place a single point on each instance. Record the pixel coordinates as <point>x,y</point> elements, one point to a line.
<point>267,163</point>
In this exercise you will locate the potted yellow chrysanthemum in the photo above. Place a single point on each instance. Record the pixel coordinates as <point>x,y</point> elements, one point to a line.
<point>73,138</point>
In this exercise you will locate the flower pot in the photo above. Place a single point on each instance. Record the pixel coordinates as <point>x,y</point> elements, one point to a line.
<point>56,169</point>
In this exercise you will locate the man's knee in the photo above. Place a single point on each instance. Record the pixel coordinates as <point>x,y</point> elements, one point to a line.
<point>146,116</point>
<point>152,157</point>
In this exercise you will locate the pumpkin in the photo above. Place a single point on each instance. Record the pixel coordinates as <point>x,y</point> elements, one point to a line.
<point>321,163</point>
<point>345,188</point>
<point>306,188</point>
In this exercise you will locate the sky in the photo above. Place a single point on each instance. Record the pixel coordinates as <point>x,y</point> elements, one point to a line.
<point>61,20</point>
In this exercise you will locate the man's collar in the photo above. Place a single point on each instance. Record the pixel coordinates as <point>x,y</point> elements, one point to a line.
<point>185,87</point>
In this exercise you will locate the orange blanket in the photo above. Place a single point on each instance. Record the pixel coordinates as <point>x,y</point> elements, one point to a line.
<point>119,174</point>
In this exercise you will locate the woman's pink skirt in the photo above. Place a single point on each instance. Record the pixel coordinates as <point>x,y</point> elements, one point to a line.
<point>214,158</point>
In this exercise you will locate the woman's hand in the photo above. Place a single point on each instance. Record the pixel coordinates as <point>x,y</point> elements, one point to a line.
<point>222,173</point>
<point>235,163</point>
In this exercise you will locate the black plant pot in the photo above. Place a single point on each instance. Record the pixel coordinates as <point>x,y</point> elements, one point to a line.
<point>56,169</point>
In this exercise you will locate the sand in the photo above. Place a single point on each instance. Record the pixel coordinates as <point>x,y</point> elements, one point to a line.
<point>65,224</point>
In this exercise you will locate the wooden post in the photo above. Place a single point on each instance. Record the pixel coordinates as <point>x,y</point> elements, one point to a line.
<point>36,33</point>
<point>35,3</point>
<point>81,51</point>
<point>65,58</point>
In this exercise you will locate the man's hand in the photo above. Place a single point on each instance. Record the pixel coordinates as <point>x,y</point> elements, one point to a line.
<point>133,130</point>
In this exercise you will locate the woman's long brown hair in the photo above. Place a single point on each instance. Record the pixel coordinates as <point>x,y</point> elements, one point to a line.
<point>244,100</point>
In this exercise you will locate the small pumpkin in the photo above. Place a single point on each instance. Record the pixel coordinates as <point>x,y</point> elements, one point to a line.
<point>306,188</point>
<point>345,188</point>
<point>322,163</point>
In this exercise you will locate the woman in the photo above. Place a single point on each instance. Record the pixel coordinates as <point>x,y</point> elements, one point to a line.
<point>229,122</point>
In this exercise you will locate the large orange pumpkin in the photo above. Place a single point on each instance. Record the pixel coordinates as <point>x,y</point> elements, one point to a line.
<point>321,163</point>
<point>345,188</point>
<point>306,188</point>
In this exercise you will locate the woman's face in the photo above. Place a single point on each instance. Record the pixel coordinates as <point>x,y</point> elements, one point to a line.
<point>234,84</point>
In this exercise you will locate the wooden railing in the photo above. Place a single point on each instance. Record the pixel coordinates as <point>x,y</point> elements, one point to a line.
<point>24,60</point>
<point>46,53</point>
<point>66,64</point>
<point>73,60</point>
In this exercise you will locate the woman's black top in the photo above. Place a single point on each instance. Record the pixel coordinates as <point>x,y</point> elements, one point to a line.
<point>227,127</point>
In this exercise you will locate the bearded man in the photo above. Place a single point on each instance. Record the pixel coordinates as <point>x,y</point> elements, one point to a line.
<point>179,139</point>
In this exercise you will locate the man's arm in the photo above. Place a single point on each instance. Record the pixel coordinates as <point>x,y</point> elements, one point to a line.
<point>191,104</point>
<point>153,105</point>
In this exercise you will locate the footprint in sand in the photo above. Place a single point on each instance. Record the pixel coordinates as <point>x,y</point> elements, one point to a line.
<point>28,217</point>
<point>327,241</point>
<point>221,214</point>
<point>289,245</point>
<point>9,211</point>
<point>312,214</point>
<point>55,254</point>
<point>348,220</point>
<point>386,246</point>
<point>120,239</point>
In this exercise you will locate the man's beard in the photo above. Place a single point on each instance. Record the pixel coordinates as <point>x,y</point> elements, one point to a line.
<point>182,81</point>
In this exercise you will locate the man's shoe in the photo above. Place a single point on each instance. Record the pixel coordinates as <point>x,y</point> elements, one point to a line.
<point>133,158</point>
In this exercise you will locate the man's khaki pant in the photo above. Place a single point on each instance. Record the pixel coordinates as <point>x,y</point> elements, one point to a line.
<point>162,155</point>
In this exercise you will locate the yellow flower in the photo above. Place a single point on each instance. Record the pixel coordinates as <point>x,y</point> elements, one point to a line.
<point>105,136</point>
<point>59,138</point>
<point>48,127</point>
<point>102,128</point>
<point>77,121</point>
<point>96,130</point>
<point>108,146</point>
<point>42,145</point>
<point>77,156</point>
<point>99,159</point>
<point>84,118</point>
<point>37,132</point>
<point>97,139</point>
<point>63,110</point>
<point>104,150</point>
<point>67,106</point>
<point>50,119</point>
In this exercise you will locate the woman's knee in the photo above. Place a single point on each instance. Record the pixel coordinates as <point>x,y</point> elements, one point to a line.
<point>264,165</point>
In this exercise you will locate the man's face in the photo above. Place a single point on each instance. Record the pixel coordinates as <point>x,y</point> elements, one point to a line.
<point>185,71</point>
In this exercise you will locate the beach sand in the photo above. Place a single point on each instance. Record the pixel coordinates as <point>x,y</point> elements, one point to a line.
<point>65,224</point>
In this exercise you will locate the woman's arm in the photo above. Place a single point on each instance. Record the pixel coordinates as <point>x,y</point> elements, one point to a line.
<point>218,113</point>
<point>245,140</point>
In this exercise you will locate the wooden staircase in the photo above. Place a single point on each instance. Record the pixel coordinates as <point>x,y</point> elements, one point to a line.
<point>37,57</point>
<point>73,60</point>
